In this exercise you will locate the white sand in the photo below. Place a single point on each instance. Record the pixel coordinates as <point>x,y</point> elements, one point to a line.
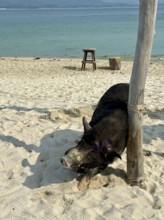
<point>41,106</point>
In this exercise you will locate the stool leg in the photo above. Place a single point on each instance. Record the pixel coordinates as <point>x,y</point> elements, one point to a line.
<point>84,61</point>
<point>94,66</point>
<point>83,66</point>
<point>93,60</point>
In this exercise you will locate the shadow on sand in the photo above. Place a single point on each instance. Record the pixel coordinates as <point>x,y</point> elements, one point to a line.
<point>71,68</point>
<point>46,169</point>
<point>104,68</point>
<point>24,109</point>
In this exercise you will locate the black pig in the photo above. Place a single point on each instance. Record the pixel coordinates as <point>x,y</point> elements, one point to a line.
<point>104,138</point>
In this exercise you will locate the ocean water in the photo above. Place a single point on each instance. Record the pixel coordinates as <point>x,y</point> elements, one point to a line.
<point>64,32</point>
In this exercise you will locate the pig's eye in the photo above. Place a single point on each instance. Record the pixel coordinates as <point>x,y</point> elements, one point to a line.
<point>82,144</point>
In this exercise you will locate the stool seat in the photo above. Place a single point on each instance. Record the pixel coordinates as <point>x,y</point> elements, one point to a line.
<point>89,49</point>
<point>92,60</point>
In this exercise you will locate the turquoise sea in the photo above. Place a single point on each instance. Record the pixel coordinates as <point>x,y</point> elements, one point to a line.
<point>64,32</point>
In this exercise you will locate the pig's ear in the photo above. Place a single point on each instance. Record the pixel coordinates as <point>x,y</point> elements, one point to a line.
<point>86,125</point>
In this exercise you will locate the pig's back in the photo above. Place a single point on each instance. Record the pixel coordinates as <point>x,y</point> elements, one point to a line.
<point>116,97</point>
<point>116,92</point>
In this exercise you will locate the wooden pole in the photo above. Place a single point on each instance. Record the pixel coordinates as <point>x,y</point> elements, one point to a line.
<point>146,30</point>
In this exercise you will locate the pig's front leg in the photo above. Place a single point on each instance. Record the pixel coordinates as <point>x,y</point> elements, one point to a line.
<point>86,179</point>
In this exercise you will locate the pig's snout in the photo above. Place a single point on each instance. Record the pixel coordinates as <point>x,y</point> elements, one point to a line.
<point>66,161</point>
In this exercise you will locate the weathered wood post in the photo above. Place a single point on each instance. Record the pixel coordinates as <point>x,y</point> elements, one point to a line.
<point>146,30</point>
<point>115,63</point>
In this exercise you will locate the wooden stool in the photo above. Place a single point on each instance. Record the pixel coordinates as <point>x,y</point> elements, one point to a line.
<point>92,61</point>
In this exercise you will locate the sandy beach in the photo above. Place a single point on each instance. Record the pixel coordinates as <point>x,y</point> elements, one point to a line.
<point>42,102</point>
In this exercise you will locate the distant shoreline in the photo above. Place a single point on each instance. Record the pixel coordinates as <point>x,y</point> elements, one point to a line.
<point>71,8</point>
<point>123,58</point>
<point>74,7</point>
